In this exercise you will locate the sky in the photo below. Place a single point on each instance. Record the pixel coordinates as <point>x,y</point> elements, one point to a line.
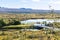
<point>34,4</point>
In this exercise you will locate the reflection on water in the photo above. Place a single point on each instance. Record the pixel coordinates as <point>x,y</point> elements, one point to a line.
<point>41,20</point>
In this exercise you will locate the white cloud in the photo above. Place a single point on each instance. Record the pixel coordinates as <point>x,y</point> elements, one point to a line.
<point>36,0</point>
<point>58,2</point>
<point>55,2</point>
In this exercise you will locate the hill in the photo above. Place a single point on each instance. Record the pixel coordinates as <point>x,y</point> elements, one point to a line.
<point>24,10</point>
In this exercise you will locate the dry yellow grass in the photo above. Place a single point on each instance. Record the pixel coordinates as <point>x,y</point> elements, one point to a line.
<point>29,16</point>
<point>24,35</point>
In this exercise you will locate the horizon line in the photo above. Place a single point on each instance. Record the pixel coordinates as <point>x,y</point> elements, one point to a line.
<point>28,8</point>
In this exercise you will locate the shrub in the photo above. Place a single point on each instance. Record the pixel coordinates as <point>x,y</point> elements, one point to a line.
<point>2,23</point>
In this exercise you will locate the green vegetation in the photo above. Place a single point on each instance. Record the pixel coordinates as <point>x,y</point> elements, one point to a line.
<point>29,35</point>
<point>19,26</point>
<point>7,22</point>
<point>10,21</point>
<point>57,24</point>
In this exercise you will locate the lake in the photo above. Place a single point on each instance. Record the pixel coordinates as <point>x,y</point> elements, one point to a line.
<point>40,20</point>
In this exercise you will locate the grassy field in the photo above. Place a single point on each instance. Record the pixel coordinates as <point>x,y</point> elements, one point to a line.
<point>18,34</point>
<point>29,16</point>
<point>18,26</point>
<point>29,35</point>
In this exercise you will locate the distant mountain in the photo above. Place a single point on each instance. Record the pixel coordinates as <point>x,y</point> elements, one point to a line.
<point>24,10</point>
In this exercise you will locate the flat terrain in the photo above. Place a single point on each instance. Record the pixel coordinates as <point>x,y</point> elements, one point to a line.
<point>18,34</point>
<point>30,16</point>
<point>29,35</point>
